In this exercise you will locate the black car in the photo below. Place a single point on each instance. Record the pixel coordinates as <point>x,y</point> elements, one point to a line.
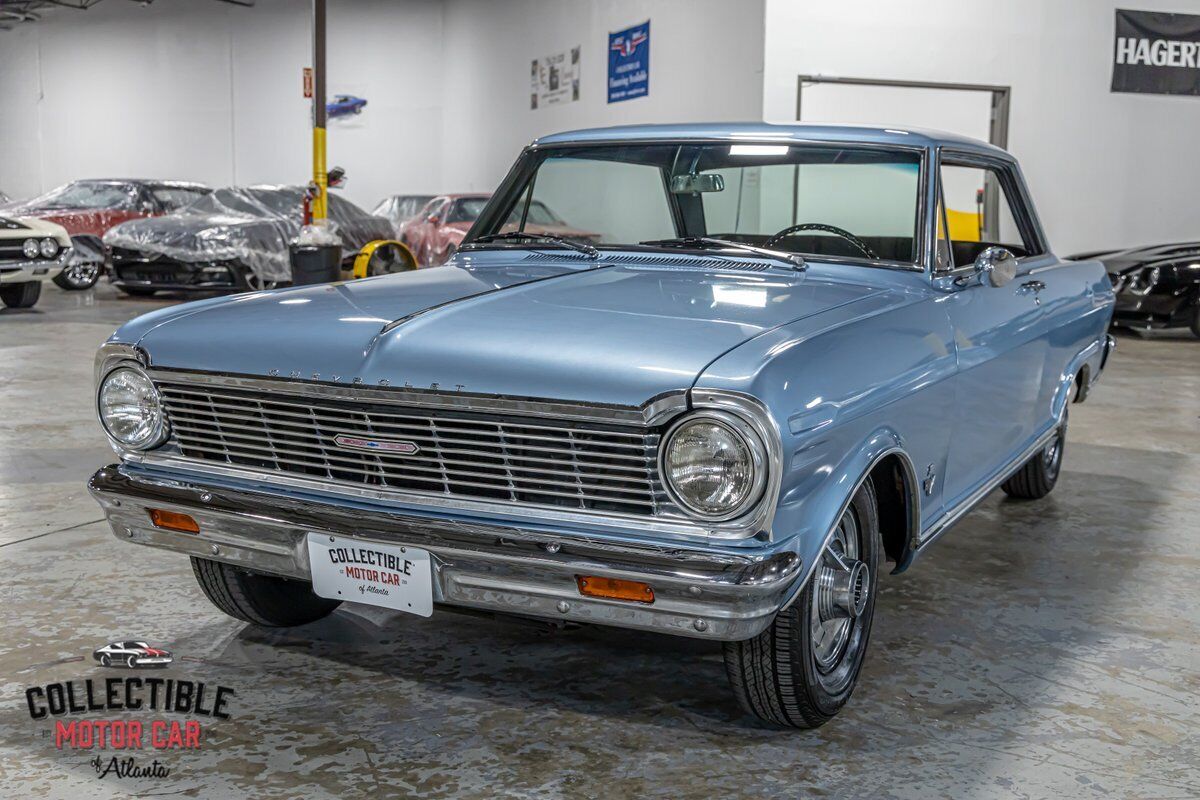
<point>1156,286</point>
<point>233,239</point>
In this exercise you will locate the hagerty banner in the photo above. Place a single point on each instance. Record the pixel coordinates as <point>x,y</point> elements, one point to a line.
<point>1156,52</point>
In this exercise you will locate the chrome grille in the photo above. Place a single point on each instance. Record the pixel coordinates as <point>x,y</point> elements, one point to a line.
<point>532,461</point>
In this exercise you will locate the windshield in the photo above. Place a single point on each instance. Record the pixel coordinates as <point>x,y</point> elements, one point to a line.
<point>89,194</point>
<point>855,202</point>
<point>467,209</point>
<point>401,207</point>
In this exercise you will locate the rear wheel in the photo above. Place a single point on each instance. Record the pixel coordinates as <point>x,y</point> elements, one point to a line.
<point>801,670</point>
<point>131,662</point>
<point>261,599</point>
<point>105,661</point>
<point>21,295</point>
<point>1037,477</point>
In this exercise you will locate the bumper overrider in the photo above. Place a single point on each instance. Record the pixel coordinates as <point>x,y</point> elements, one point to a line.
<point>705,593</point>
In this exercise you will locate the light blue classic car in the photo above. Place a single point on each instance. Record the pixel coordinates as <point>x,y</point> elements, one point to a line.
<point>789,357</point>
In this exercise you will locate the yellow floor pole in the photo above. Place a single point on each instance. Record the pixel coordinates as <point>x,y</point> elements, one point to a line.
<point>320,204</point>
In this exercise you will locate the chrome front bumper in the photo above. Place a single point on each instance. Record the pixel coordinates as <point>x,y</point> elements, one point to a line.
<point>710,594</point>
<point>36,270</point>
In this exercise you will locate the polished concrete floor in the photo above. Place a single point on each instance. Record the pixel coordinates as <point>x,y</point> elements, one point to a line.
<point>1045,649</point>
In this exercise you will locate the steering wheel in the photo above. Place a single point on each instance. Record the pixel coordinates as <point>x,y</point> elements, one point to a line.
<point>820,226</point>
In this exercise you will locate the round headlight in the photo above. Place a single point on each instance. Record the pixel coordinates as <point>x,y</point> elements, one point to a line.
<point>30,248</point>
<point>710,467</point>
<point>49,248</point>
<point>130,409</point>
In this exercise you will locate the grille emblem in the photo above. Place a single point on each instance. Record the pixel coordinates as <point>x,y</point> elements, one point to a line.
<point>386,445</point>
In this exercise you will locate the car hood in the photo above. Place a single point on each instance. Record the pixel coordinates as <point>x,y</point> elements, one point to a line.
<point>531,326</point>
<point>24,227</point>
<point>1123,261</point>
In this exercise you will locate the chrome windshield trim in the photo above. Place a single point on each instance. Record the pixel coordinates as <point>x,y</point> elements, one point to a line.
<point>922,245</point>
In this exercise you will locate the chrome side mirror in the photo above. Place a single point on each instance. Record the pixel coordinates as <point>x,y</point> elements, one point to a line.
<point>996,265</point>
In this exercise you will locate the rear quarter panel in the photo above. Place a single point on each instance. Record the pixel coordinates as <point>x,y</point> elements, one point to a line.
<point>1078,309</point>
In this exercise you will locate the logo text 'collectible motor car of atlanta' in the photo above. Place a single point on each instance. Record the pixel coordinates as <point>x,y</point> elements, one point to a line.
<point>125,718</point>
<point>720,413</point>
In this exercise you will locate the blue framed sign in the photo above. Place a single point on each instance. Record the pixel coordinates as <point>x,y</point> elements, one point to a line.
<point>629,63</point>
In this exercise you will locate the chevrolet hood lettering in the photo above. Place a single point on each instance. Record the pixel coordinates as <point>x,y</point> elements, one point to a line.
<point>611,334</point>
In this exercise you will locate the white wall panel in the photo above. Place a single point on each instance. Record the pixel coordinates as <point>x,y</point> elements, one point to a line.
<point>1106,169</point>
<point>705,64</point>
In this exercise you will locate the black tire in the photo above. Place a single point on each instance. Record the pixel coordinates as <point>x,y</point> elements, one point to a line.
<point>776,675</point>
<point>131,662</point>
<point>1037,476</point>
<point>260,599</point>
<point>137,292</point>
<point>1195,326</point>
<point>105,661</point>
<point>21,295</point>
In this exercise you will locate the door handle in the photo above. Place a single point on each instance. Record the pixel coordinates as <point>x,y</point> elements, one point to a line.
<point>1031,286</point>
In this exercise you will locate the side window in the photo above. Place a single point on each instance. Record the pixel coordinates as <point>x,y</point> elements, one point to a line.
<point>434,208</point>
<point>979,213</point>
<point>171,198</point>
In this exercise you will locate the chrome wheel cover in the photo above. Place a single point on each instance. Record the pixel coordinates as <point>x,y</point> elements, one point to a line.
<point>1052,455</point>
<point>841,590</point>
<point>81,273</point>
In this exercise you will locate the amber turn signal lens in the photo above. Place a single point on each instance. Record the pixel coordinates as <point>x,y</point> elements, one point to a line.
<point>615,589</point>
<point>173,521</point>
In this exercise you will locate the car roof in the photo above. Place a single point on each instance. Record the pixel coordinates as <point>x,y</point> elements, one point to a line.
<point>759,131</point>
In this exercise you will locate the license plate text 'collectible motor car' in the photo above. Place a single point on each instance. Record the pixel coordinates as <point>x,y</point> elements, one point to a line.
<point>783,359</point>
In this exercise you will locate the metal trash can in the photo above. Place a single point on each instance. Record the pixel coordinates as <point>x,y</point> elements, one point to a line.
<point>315,263</point>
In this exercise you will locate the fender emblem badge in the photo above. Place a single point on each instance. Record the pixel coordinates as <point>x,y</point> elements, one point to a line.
<point>376,445</point>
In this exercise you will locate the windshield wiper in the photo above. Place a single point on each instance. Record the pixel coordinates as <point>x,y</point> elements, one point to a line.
<point>791,259</point>
<point>537,237</point>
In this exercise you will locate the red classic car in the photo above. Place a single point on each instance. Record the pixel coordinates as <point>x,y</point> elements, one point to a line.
<point>88,208</point>
<point>435,233</point>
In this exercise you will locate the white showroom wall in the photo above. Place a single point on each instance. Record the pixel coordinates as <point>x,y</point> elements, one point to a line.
<point>211,92</point>
<point>208,91</point>
<point>1106,169</point>
<point>705,64</point>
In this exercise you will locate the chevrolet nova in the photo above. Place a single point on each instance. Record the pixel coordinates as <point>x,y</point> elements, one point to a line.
<point>790,357</point>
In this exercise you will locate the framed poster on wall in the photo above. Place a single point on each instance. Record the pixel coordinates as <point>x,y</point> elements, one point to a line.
<point>629,63</point>
<point>554,79</point>
<point>1157,53</point>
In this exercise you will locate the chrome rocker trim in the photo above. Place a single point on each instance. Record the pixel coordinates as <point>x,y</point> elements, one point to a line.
<point>698,592</point>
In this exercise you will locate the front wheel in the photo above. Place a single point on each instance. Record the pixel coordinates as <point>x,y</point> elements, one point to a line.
<point>261,599</point>
<point>801,670</point>
<point>1037,476</point>
<point>21,295</point>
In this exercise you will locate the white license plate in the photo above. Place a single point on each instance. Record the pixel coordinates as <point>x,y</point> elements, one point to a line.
<point>385,575</point>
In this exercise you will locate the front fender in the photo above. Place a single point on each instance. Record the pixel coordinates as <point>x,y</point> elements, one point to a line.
<point>825,504</point>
